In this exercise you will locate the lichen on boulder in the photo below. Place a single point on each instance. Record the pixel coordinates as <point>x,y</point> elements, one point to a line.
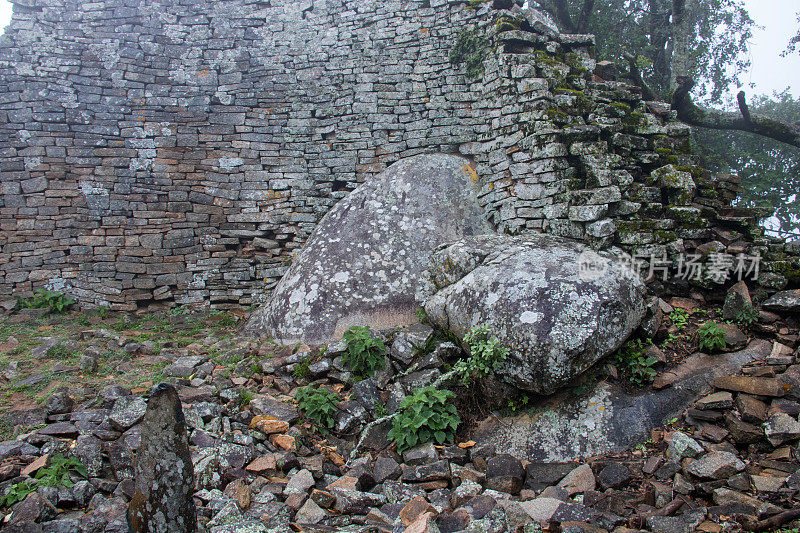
<point>559,306</point>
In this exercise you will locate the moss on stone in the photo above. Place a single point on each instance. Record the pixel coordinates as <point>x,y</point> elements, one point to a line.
<point>469,49</point>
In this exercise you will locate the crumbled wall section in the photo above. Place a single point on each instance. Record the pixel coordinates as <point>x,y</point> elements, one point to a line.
<point>184,149</point>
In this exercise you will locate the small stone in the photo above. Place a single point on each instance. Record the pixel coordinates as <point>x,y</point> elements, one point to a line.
<point>467,490</point>
<point>414,509</point>
<point>716,465</point>
<point>424,524</point>
<point>127,411</point>
<point>737,301</point>
<point>783,301</point>
<point>310,513</point>
<point>422,454</point>
<point>751,385</point>
<point>614,476</point>
<point>385,468</point>
<point>300,482</point>
<point>717,400</point>
<point>504,473</point>
<point>541,509</point>
<point>682,445</point>
<point>59,402</point>
<point>184,367</point>
<point>263,464</point>
<point>579,480</point>
<point>269,425</point>
<point>285,442</point>
<point>751,409</point>
<point>780,428</point>
<point>767,483</point>
<point>439,470</point>
<point>742,432</point>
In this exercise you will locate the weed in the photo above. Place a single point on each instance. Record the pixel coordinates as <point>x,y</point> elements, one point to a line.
<point>632,361</point>
<point>59,351</point>
<point>711,337</point>
<point>422,316</point>
<point>56,474</point>
<point>245,397</point>
<point>365,354</point>
<point>680,318</point>
<point>485,354</point>
<point>519,403</point>
<point>427,415</point>
<point>469,49</point>
<point>318,404</point>
<point>747,316</point>
<point>56,302</point>
<point>301,371</point>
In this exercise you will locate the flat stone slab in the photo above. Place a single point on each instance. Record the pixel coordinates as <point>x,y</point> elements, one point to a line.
<point>609,419</point>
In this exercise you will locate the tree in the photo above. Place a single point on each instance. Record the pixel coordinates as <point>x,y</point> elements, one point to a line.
<point>705,40</point>
<point>794,42</point>
<point>769,170</point>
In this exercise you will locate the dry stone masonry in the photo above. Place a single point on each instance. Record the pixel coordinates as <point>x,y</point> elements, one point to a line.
<point>177,150</point>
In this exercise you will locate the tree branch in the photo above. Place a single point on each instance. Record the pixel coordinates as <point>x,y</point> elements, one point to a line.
<point>720,120</point>
<point>636,77</point>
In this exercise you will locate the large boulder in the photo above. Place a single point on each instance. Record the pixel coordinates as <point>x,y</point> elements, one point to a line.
<point>558,305</point>
<point>364,263</point>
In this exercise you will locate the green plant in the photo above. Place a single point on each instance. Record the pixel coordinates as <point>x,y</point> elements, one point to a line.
<point>56,302</point>
<point>422,316</point>
<point>519,403</point>
<point>680,318</point>
<point>18,492</point>
<point>318,404</point>
<point>711,337</point>
<point>102,311</point>
<point>485,354</point>
<point>425,416</point>
<point>633,361</point>
<point>59,351</point>
<point>245,397</point>
<point>469,49</point>
<point>302,371</point>
<point>747,316</point>
<point>55,474</point>
<point>365,354</point>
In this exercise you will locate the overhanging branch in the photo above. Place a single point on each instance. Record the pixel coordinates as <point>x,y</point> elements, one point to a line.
<point>692,114</point>
<point>635,76</point>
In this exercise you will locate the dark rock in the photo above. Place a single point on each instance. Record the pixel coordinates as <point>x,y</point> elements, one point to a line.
<point>751,385</point>
<point>685,523</point>
<point>452,521</point>
<point>541,475</point>
<point>742,432</point>
<point>751,409</point>
<point>783,301</point>
<point>164,472</point>
<point>60,429</point>
<point>385,229</point>
<point>614,476</point>
<point>480,506</point>
<point>429,472</point>
<point>716,465</point>
<point>385,468</point>
<point>737,301</point>
<point>59,402</point>
<point>410,342</point>
<point>420,455</point>
<point>127,411</point>
<point>504,473</point>
<point>108,517</point>
<point>264,405</point>
<point>34,508</point>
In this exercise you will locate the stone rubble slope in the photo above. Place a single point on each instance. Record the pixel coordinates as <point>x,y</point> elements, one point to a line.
<point>730,459</point>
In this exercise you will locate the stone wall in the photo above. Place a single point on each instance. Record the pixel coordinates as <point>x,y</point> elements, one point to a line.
<point>182,150</point>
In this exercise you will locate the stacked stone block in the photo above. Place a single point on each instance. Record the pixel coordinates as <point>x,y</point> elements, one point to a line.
<point>183,151</point>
